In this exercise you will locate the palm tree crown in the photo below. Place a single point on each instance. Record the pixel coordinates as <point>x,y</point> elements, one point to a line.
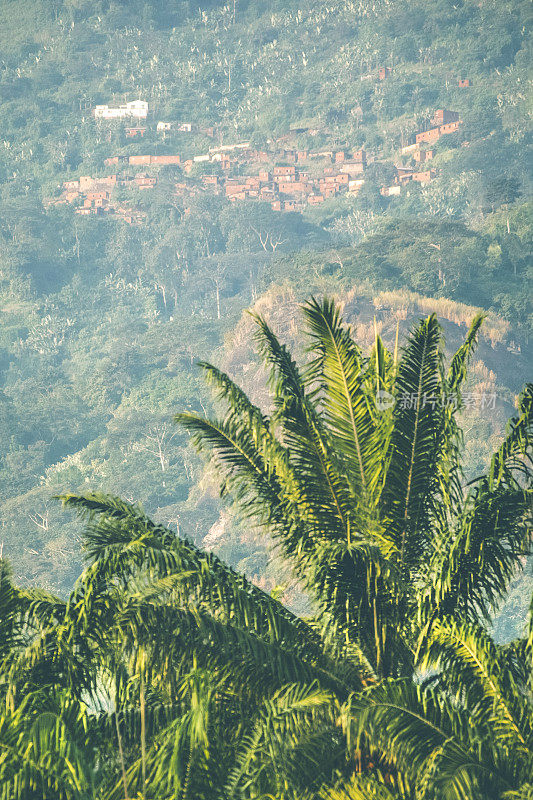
<point>357,473</point>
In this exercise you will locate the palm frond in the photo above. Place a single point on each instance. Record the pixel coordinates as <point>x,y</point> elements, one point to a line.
<point>424,739</point>
<point>471,571</point>
<point>256,664</point>
<point>411,472</point>
<point>12,606</point>
<point>322,483</point>
<point>469,660</point>
<point>346,404</point>
<point>524,793</point>
<point>459,363</point>
<point>46,747</point>
<point>133,542</point>
<point>363,787</point>
<point>183,759</point>
<point>451,441</point>
<point>265,760</point>
<point>515,453</point>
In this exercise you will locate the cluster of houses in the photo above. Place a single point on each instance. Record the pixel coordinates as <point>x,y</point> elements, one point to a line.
<point>138,110</point>
<point>97,195</point>
<point>442,123</point>
<point>288,179</point>
<point>405,175</point>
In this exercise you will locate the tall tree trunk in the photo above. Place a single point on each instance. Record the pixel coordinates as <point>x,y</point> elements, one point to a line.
<point>143,726</point>
<point>121,755</point>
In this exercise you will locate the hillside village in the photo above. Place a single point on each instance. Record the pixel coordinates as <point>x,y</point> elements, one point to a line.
<point>161,136</point>
<point>287,178</point>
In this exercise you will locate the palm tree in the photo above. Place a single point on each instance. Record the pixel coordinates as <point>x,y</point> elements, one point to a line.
<point>357,474</point>
<point>466,731</point>
<point>46,743</point>
<point>164,674</point>
<point>227,720</point>
<point>168,674</point>
<point>233,679</point>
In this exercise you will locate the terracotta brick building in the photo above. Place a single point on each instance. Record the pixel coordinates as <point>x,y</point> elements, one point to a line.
<point>283,171</point>
<point>423,155</point>
<point>428,136</point>
<point>449,127</point>
<point>443,116</point>
<point>423,177</point>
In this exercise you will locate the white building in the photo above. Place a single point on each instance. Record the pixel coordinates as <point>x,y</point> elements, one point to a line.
<point>164,126</point>
<point>355,185</point>
<point>136,108</point>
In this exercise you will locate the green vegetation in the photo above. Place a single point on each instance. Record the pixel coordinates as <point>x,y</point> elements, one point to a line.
<point>101,321</point>
<point>167,674</point>
<point>285,638</point>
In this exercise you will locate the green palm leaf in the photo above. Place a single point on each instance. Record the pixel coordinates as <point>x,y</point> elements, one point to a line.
<point>322,482</point>
<point>345,401</point>
<point>411,473</point>
<point>132,542</point>
<point>424,738</point>
<point>471,571</point>
<point>515,455</point>
<point>470,661</point>
<point>459,363</point>
<point>265,761</point>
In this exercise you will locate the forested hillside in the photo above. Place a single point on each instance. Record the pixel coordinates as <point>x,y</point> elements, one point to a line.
<point>115,278</point>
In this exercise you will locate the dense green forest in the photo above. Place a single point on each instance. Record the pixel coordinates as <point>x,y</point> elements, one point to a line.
<point>102,320</point>
<point>315,582</point>
<point>166,674</point>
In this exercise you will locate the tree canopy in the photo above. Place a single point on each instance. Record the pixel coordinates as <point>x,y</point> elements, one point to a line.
<point>168,674</point>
